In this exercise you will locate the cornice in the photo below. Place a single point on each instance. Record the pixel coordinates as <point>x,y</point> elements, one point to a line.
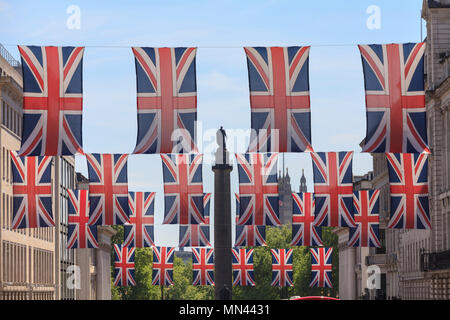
<point>11,88</point>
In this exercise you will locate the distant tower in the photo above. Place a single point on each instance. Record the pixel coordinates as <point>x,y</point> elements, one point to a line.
<point>285,197</point>
<point>303,187</point>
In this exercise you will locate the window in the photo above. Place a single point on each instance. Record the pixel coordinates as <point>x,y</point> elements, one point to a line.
<point>3,211</point>
<point>3,163</point>
<point>3,113</point>
<point>8,115</point>
<point>8,168</point>
<point>447,149</point>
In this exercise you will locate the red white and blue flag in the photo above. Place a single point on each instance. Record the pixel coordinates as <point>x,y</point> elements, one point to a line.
<point>242,264</point>
<point>258,189</point>
<point>108,188</point>
<point>282,274</point>
<point>52,100</point>
<point>183,188</point>
<point>304,233</point>
<point>166,99</point>
<point>279,99</point>
<point>124,266</point>
<point>81,234</point>
<point>206,207</point>
<point>203,266</point>
<point>367,219</point>
<point>395,98</point>
<point>249,235</point>
<point>333,189</point>
<point>162,274</point>
<point>408,186</point>
<point>138,231</point>
<point>32,192</point>
<point>194,235</point>
<point>321,267</point>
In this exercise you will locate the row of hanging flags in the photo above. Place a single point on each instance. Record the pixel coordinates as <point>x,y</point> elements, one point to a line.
<point>333,204</point>
<point>281,119</point>
<point>279,99</point>
<point>203,266</point>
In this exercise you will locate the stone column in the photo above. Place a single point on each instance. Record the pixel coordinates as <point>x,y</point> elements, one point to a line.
<point>103,266</point>
<point>222,222</point>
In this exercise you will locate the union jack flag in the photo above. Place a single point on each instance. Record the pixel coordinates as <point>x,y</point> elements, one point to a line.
<point>304,233</point>
<point>194,235</point>
<point>206,207</point>
<point>32,192</point>
<point>80,232</point>
<point>258,189</point>
<point>395,98</point>
<point>367,219</point>
<point>408,185</point>
<point>333,189</point>
<point>279,99</point>
<point>203,266</point>
<point>52,100</point>
<point>282,274</point>
<point>321,267</point>
<point>162,274</point>
<point>242,264</point>
<point>166,99</point>
<point>108,188</point>
<point>248,236</point>
<point>124,266</point>
<point>183,188</point>
<point>139,230</point>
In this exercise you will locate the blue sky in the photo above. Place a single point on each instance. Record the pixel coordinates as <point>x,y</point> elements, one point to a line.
<point>219,29</point>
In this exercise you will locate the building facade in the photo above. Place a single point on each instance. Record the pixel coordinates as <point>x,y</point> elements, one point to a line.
<point>435,258</point>
<point>285,195</point>
<point>353,271</point>
<point>33,262</point>
<point>416,263</point>
<point>94,264</point>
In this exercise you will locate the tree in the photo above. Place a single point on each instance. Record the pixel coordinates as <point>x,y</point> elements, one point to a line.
<point>276,237</point>
<point>182,289</point>
<point>280,237</point>
<point>143,274</point>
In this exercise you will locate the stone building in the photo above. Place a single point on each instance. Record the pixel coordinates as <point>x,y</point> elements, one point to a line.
<point>353,271</point>
<point>33,262</point>
<point>416,264</point>
<point>285,195</point>
<point>94,264</point>
<point>435,260</point>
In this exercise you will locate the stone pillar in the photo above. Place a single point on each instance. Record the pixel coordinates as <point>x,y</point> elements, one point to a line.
<point>222,223</point>
<point>103,265</point>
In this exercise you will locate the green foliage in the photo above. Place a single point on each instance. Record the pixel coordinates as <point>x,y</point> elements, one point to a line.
<point>182,289</point>
<point>280,237</point>
<point>144,290</point>
<point>143,274</point>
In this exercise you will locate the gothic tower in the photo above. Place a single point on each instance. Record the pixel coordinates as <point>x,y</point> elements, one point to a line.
<point>285,197</point>
<point>303,187</point>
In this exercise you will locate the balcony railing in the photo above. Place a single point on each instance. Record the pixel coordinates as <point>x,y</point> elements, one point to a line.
<point>376,259</point>
<point>8,57</point>
<point>431,261</point>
